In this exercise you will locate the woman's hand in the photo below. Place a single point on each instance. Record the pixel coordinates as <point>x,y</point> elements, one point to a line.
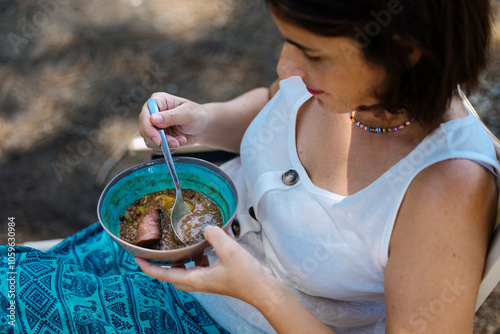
<point>236,273</point>
<point>239,275</point>
<point>184,121</point>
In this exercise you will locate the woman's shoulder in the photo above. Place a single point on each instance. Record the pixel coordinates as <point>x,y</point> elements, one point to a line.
<point>456,193</point>
<point>452,178</point>
<point>461,135</point>
<point>451,194</point>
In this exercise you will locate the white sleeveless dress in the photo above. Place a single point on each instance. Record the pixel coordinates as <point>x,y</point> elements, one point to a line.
<point>330,250</point>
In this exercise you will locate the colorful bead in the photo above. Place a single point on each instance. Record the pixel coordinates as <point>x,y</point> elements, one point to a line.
<point>379,130</point>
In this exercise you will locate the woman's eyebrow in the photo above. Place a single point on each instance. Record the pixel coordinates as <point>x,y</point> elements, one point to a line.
<point>300,46</point>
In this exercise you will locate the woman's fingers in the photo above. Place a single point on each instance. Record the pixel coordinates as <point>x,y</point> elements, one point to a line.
<point>235,274</point>
<point>181,119</point>
<point>150,269</point>
<point>193,279</point>
<point>203,279</point>
<point>160,273</point>
<point>146,129</point>
<point>147,123</point>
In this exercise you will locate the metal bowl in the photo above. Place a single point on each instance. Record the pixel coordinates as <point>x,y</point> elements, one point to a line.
<point>151,176</point>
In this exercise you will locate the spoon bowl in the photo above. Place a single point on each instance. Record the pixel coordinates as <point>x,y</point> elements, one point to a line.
<point>180,208</point>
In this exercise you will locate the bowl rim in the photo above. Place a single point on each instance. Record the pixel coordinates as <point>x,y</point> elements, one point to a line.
<point>142,165</point>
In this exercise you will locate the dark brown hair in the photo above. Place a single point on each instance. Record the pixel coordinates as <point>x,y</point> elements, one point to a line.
<point>452,35</point>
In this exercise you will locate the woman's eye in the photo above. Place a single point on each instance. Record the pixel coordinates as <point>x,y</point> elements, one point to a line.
<point>311,57</point>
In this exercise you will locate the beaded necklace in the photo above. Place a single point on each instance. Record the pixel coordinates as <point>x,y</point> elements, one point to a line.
<point>381,130</point>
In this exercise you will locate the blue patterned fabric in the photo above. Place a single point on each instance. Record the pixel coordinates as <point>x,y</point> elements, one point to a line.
<point>88,284</point>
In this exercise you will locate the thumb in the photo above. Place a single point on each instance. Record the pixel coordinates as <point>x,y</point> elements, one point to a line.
<point>179,115</point>
<point>222,243</point>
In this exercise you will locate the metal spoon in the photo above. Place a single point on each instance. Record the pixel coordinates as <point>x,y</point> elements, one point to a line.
<point>180,208</point>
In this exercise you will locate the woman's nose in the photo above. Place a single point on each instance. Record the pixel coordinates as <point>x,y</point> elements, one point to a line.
<point>290,63</point>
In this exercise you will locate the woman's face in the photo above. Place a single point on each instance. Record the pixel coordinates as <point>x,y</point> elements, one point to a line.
<point>333,68</point>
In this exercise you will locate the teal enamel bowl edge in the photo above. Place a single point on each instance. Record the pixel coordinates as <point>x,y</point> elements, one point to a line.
<point>150,176</point>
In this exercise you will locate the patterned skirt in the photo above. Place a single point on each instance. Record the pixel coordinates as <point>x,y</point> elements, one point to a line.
<point>88,284</point>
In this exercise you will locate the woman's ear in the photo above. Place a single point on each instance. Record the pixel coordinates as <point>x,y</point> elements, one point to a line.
<point>411,47</point>
<point>414,55</point>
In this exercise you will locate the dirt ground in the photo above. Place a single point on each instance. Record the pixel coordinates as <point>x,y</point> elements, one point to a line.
<point>75,73</point>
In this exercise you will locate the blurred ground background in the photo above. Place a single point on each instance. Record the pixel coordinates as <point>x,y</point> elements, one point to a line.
<point>74,74</point>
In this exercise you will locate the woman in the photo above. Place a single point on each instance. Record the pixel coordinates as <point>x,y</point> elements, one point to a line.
<point>368,190</point>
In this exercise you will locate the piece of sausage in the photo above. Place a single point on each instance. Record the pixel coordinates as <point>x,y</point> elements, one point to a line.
<point>149,231</point>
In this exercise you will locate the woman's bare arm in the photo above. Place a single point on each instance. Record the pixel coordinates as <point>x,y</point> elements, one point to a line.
<point>220,125</point>
<point>438,248</point>
<point>228,121</point>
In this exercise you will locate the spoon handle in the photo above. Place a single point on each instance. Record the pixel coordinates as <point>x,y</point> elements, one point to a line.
<point>153,108</point>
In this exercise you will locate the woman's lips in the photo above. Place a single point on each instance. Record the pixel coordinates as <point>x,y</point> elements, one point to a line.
<point>314,92</point>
